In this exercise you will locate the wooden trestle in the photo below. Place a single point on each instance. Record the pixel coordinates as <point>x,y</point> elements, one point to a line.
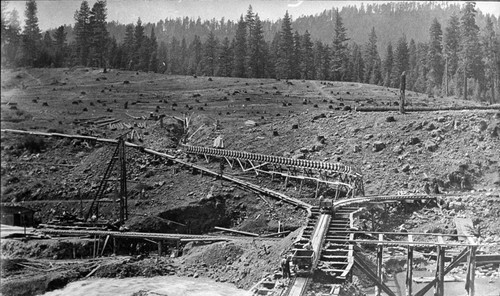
<point>468,253</point>
<point>340,177</point>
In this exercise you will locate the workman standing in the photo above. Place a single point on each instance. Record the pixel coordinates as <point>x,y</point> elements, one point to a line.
<point>285,267</point>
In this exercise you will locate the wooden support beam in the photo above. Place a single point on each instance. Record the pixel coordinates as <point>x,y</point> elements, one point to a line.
<point>409,268</point>
<point>160,244</point>
<point>254,167</point>
<point>471,272</point>
<point>186,240</point>
<point>380,276</point>
<point>98,242</point>
<point>439,288</point>
<point>104,246</point>
<point>230,164</point>
<point>236,231</point>
<point>317,187</point>
<point>450,267</point>
<point>114,245</point>
<point>241,165</point>
<point>150,241</point>
<point>363,267</point>
<point>276,234</point>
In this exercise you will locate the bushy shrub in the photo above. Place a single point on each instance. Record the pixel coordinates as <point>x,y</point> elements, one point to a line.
<point>33,144</point>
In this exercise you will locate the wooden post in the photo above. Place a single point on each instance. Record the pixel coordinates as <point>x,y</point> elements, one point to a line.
<point>439,288</point>
<point>98,242</point>
<point>380,249</point>
<point>160,248</point>
<point>471,271</point>
<point>317,187</point>
<point>104,246</point>
<point>93,248</point>
<point>286,178</point>
<point>114,245</point>
<point>409,267</point>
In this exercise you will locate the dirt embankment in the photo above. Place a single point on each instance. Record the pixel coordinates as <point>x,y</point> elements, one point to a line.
<point>394,152</point>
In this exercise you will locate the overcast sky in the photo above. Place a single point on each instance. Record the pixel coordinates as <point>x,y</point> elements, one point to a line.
<point>53,13</point>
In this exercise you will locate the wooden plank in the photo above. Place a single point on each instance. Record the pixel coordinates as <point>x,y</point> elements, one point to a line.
<point>236,231</point>
<point>464,226</point>
<point>276,234</point>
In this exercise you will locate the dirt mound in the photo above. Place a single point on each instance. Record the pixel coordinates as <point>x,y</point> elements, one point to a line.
<point>132,267</point>
<point>151,224</point>
<point>243,262</point>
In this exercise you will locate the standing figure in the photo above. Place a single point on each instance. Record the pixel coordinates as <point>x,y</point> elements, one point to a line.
<point>285,267</point>
<point>402,88</point>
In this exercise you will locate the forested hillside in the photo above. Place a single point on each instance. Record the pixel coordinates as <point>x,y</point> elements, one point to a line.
<point>444,49</point>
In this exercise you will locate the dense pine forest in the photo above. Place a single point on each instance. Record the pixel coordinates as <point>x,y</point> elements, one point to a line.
<point>444,49</point>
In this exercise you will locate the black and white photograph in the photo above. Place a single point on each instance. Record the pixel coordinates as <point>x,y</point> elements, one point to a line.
<point>250,147</point>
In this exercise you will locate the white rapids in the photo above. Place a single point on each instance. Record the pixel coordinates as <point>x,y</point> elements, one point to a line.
<point>154,286</point>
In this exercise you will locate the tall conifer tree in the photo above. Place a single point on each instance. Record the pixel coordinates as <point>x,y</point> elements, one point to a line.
<point>240,49</point>
<point>82,33</point>
<point>339,48</point>
<point>32,35</point>
<point>435,59</point>
<point>285,49</point>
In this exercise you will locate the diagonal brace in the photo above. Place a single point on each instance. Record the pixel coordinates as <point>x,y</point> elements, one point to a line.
<point>452,265</point>
<point>371,275</point>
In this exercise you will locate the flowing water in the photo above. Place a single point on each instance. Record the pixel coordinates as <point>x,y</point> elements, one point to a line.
<point>154,286</point>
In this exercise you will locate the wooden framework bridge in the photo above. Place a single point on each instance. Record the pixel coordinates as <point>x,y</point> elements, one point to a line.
<point>340,177</point>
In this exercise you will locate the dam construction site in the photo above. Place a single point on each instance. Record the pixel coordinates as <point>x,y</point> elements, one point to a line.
<point>277,187</point>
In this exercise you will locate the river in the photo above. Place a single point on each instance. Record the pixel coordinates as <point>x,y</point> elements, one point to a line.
<point>154,286</point>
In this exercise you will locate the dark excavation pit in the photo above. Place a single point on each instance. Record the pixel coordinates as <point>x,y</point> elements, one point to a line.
<point>200,218</point>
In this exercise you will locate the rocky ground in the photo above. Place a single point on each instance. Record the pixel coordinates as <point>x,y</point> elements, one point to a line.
<point>458,150</point>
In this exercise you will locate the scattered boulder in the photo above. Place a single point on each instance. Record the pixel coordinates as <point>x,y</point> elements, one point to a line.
<point>431,126</point>
<point>322,115</point>
<point>356,148</point>
<point>482,126</point>
<point>414,140</point>
<point>378,146</point>
<point>299,156</point>
<point>390,119</point>
<point>494,129</point>
<point>456,205</point>
<point>250,123</point>
<point>398,149</point>
<point>430,145</point>
<point>321,139</point>
<point>405,168</point>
